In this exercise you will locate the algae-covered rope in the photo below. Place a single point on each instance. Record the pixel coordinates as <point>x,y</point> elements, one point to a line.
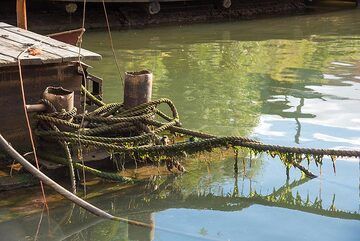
<point>201,145</point>
<point>65,135</point>
<point>57,121</point>
<point>92,97</point>
<point>105,122</point>
<point>95,172</point>
<point>301,150</point>
<point>70,163</point>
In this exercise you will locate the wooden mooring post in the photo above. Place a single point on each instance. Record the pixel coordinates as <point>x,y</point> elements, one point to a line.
<point>61,98</point>
<point>21,14</point>
<point>138,88</point>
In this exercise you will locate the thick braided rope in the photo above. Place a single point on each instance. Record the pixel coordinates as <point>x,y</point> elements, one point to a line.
<point>131,112</point>
<point>106,108</point>
<point>95,172</point>
<point>64,114</point>
<point>189,132</point>
<point>208,144</point>
<point>90,96</point>
<point>108,128</point>
<point>48,104</point>
<point>113,119</point>
<point>58,121</point>
<point>144,114</point>
<point>301,150</point>
<point>62,135</point>
<point>155,103</point>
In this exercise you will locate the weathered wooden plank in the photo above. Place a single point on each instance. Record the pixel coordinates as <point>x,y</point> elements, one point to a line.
<point>6,59</point>
<point>62,55</point>
<point>2,25</point>
<point>23,46</point>
<point>55,43</point>
<point>5,63</point>
<point>13,49</point>
<point>5,33</point>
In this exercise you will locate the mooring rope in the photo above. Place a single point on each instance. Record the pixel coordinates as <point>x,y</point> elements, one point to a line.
<point>112,43</point>
<point>79,44</point>
<point>28,125</point>
<point>106,175</point>
<point>117,130</point>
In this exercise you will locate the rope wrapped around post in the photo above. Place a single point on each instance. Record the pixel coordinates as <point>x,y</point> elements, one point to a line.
<point>103,123</point>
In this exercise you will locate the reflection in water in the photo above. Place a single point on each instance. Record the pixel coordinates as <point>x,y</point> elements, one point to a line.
<point>290,81</point>
<point>298,124</point>
<point>75,224</point>
<point>222,77</point>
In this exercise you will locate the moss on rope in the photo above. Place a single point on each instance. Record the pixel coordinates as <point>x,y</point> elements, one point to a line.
<point>105,121</point>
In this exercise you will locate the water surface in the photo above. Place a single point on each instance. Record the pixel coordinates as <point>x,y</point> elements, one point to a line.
<point>292,81</point>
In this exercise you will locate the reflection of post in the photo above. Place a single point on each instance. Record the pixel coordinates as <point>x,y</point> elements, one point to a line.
<point>298,124</point>
<point>236,168</point>
<point>236,186</point>
<point>142,233</point>
<point>152,223</point>
<point>250,186</point>
<point>298,131</point>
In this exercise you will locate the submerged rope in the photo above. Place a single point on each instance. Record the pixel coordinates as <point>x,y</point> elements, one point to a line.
<point>95,172</point>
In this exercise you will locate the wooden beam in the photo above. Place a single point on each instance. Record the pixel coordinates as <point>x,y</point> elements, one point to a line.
<point>21,14</point>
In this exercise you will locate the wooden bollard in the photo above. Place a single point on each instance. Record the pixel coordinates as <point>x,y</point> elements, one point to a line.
<point>61,98</point>
<point>138,88</point>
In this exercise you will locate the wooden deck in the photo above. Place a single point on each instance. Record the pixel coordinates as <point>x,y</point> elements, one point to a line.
<point>14,41</point>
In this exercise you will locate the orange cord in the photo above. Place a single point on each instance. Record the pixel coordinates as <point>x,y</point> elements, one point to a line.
<point>29,127</point>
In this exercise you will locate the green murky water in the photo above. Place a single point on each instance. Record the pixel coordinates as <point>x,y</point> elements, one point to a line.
<point>292,81</point>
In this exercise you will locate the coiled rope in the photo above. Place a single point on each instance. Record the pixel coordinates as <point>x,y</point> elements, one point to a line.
<point>117,130</point>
